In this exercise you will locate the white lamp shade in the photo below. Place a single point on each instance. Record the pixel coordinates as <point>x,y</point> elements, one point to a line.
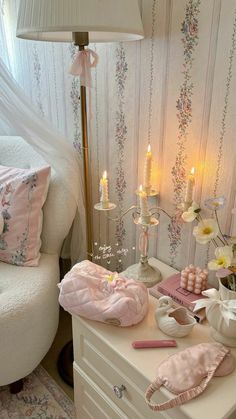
<point>55,20</point>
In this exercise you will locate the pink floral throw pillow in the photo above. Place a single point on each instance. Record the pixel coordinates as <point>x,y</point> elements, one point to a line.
<point>22,195</point>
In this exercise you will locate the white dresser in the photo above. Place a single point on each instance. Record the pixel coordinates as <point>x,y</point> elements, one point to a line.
<point>104,358</point>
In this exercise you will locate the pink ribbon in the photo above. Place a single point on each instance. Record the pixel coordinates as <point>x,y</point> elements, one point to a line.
<point>83,62</point>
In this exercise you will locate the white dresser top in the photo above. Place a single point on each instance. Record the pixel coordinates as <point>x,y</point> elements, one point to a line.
<point>219,399</point>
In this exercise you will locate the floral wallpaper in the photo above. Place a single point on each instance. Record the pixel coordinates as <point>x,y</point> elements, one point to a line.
<point>175,90</point>
<point>189,29</point>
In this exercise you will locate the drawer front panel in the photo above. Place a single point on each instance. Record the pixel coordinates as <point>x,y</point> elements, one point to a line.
<point>90,402</point>
<point>106,368</point>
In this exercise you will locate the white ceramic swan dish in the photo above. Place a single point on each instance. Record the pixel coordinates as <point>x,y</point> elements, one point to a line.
<point>177,322</point>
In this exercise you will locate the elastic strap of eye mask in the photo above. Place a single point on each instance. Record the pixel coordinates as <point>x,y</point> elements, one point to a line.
<point>186,395</point>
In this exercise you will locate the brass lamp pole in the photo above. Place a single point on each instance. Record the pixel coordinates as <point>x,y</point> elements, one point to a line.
<point>81,39</point>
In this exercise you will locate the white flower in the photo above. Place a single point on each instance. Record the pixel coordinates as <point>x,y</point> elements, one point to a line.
<point>224,258</point>
<point>206,230</point>
<point>215,204</point>
<point>191,214</point>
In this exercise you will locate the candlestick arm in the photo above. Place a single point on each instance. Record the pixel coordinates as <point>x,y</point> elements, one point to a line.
<point>157,209</point>
<point>119,217</point>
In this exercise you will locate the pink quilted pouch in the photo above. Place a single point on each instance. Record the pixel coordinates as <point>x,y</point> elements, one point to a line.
<point>188,372</point>
<point>93,292</point>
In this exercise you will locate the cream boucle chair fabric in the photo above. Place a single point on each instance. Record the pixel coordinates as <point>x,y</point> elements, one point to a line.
<point>29,308</point>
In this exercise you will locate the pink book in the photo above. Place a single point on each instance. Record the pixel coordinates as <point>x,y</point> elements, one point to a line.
<point>171,287</point>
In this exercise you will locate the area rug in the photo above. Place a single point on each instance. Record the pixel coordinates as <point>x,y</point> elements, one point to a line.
<point>41,398</point>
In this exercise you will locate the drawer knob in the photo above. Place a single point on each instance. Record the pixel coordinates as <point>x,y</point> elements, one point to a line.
<point>119,391</point>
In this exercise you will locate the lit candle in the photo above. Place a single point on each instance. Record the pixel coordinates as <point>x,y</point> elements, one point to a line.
<point>145,216</point>
<point>148,170</point>
<point>189,189</point>
<point>104,191</point>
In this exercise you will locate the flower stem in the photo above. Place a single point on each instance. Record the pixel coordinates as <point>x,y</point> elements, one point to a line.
<point>224,241</point>
<point>214,242</point>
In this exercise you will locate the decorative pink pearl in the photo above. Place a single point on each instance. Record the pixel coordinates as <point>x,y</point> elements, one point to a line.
<point>189,288</point>
<point>198,286</point>
<point>184,274</point>
<point>191,267</point>
<point>197,291</point>
<point>191,283</point>
<point>191,277</point>
<point>198,280</point>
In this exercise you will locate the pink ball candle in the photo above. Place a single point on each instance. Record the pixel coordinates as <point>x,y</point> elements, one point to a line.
<point>194,279</point>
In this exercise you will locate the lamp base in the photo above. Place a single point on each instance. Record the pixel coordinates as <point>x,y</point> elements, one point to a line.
<point>65,364</point>
<point>143,272</point>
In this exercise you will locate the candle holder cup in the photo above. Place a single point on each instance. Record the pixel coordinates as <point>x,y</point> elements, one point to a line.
<point>107,207</point>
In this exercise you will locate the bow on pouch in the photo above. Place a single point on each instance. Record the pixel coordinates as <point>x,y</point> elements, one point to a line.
<point>83,62</point>
<point>227,307</point>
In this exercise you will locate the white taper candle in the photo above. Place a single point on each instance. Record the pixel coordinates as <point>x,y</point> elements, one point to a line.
<point>148,170</point>
<point>104,190</point>
<point>189,189</point>
<point>145,215</point>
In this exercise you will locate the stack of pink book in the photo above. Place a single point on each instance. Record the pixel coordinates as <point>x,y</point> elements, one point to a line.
<point>171,287</point>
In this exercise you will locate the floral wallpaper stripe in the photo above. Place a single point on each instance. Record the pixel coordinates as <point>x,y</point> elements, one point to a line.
<point>152,43</point>
<point>38,78</point>
<point>223,124</point>
<point>75,102</point>
<point>223,128</point>
<point>189,30</point>
<point>96,138</point>
<point>120,139</point>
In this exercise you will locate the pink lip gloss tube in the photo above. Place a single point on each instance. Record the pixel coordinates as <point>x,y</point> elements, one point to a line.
<point>142,344</point>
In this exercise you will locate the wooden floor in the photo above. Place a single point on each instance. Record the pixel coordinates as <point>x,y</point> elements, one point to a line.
<point>64,335</point>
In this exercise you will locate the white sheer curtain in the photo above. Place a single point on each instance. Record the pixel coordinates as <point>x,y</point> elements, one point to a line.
<point>19,116</point>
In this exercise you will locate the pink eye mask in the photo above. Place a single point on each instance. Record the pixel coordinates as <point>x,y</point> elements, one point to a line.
<point>93,292</point>
<point>187,373</point>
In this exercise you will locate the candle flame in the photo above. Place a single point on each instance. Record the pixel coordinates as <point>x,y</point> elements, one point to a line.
<point>149,148</point>
<point>192,171</point>
<point>104,176</point>
<point>140,188</point>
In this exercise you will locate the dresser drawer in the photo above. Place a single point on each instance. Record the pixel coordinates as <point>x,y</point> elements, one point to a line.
<point>90,402</point>
<point>107,369</point>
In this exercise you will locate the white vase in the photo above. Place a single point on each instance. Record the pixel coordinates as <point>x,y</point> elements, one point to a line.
<point>225,293</point>
<point>221,330</point>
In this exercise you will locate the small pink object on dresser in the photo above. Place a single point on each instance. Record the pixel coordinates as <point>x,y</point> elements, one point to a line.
<point>194,279</point>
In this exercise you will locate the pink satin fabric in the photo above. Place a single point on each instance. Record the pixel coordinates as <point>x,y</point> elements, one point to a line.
<point>88,291</point>
<point>188,372</point>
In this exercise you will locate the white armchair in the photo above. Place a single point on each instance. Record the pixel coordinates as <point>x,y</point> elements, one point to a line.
<point>29,308</point>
